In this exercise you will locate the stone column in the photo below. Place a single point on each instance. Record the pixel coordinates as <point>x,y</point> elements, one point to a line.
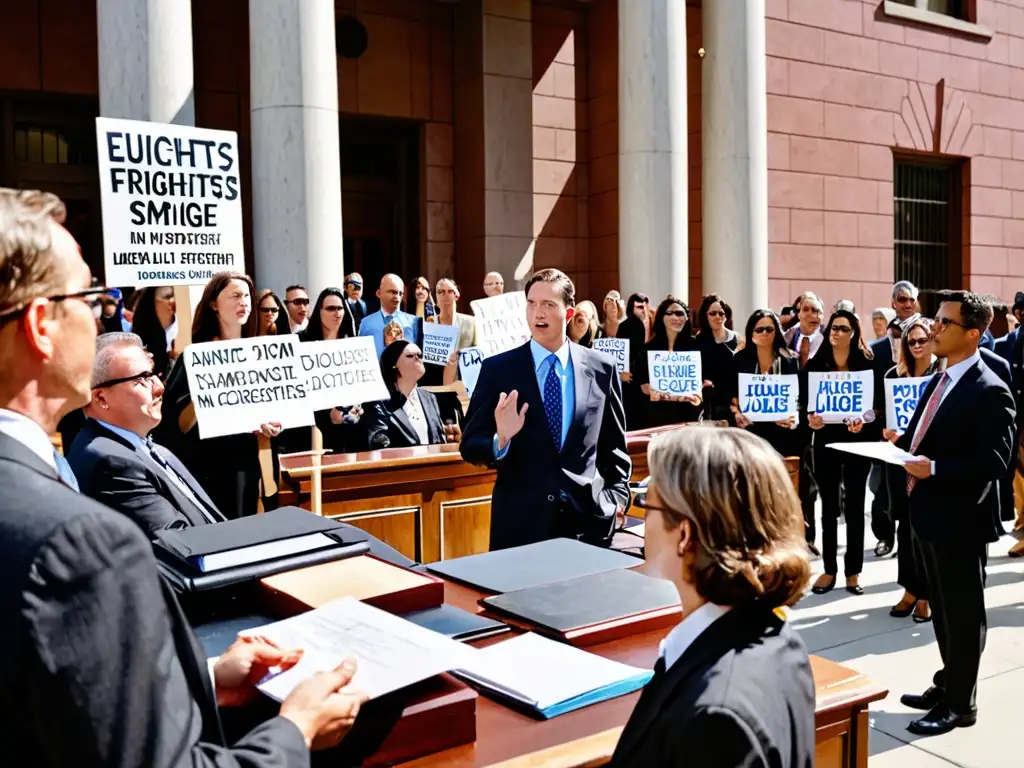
<point>145,60</point>
<point>734,155</point>
<point>296,164</point>
<point>653,216</point>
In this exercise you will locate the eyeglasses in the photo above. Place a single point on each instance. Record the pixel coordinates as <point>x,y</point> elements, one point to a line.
<point>716,313</point>
<point>764,329</point>
<point>945,322</point>
<point>675,313</point>
<point>298,302</point>
<point>146,377</point>
<point>91,297</point>
<point>841,329</point>
<point>916,342</point>
<point>336,308</point>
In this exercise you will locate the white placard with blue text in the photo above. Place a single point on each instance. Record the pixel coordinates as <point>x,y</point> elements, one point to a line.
<point>617,349</point>
<point>901,398</point>
<point>470,360</point>
<point>238,384</point>
<point>675,373</point>
<point>171,200</point>
<point>439,341</point>
<point>840,395</point>
<point>767,397</point>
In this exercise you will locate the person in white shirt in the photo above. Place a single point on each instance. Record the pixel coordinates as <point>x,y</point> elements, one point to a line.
<point>805,338</point>
<point>411,417</point>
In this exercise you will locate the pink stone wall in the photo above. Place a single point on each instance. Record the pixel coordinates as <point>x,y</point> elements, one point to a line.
<point>848,86</point>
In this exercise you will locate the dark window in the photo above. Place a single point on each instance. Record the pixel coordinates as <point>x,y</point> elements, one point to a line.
<point>956,8</point>
<point>927,224</point>
<point>53,146</point>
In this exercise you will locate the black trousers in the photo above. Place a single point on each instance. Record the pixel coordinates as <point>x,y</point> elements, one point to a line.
<point>955,571</point>
<point>910,571</point>
<point>883,524</point>
<point>842,481</point>
<point>808,492</point>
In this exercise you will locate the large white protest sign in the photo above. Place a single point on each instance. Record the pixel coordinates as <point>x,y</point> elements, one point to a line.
<point>840,395</point>
<point>901,398</point>
<point>675,373</point>
<point>618,349</point>
<point>765,397</point>
<point>239,384</point>
<point>470,360</point>
<point>501,322</point>
<point>172,206</point>
<point>439,341</point>
<point>341,372</point>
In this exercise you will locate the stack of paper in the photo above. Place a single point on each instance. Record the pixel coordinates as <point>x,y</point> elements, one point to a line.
<point>548,677</point>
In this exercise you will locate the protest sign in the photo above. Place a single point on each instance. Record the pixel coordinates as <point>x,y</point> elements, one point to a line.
<point>341,372</point>
<point>439,341</point>
<point>901,396</point>
<point>501,322</point>
<point>764,397</point>
<point>239,384</point>
<point>470,360</point>
<point>617,349</point>
<point>172,206</point>
<point>840,395</point>
<point>675,373</point>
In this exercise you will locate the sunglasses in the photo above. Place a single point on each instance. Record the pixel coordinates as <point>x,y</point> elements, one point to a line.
<point>268,310</point>
<point>356,285</point>
<point>916,342</point>
<point>764,329</point>
<point>411,355</point>
<point>841,329</point>
<point>298,302</point>
<point>336,308</point>
<point>675,313</point>
<point>716,313</point>
<point>904,300</point>
<point>146,377</point>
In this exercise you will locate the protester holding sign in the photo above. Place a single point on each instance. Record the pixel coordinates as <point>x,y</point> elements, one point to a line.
<point>228,467</point>
<point>671,332</point>
<point>917,362</point>
<point>448,295</point>
<point>841,476</point>
<point>411,417</point>
<point>765,353</point>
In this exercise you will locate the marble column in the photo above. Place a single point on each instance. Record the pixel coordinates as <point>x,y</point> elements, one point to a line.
<point>145,60</point>
<point>296,164</point>
<point>734,155</point>
<point>653,216</point>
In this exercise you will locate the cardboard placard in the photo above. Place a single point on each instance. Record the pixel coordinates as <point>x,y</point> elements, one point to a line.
<point>617,349</point>
<point>439,341</point>
<point>837,396</point>
<point>470,360</point>
<point>501,322</point>
<point>901,398</point>
<point>239,384</point>
<point>675,373</point>
<point>341,372</point>
<point>768,397</point>
<point>172,205</point>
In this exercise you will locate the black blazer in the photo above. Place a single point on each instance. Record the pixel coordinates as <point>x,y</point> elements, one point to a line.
<point>112,471</point>
<point>741,695</point>
<point>788,442</point>
<point>541,493</point>
<point>387,425</point>
<point>970,440</point>
<point>98,666</point>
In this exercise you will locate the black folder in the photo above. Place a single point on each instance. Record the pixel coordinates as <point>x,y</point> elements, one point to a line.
<point>178,551</point>
<point>508,570</point>
<point>456,623</point>
<point>587,601</point>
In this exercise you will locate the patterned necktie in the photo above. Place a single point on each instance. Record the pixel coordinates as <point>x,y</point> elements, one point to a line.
<point>67,475</point>
<point>553,401</point>
<point>805,350</point>
<point>925,422</point>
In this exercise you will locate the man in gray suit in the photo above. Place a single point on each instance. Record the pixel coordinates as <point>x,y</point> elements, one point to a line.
<point>99,666</point>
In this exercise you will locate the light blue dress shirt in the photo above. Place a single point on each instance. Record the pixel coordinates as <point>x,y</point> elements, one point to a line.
<point>373,325</point>
<point>542,363</point>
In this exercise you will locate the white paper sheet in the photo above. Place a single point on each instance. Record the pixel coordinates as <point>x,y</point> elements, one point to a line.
<point>391,652</point>
<point>883,451</point>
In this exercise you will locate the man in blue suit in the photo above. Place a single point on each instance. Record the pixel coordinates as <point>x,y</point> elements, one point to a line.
<point>391,293</point>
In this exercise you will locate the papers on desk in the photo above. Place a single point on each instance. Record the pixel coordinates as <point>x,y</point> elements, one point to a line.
<point>391,652</point>
<point>549,678</point>
<point>883,451</point>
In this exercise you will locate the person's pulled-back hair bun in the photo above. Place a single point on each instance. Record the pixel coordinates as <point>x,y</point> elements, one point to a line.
<point>735,490</point>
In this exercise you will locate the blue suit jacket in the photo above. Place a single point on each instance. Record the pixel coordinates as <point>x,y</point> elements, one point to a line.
<point>373,325</point>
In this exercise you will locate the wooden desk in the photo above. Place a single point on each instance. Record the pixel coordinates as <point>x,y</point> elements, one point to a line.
<point>426,502</point>
<point>587,737</point>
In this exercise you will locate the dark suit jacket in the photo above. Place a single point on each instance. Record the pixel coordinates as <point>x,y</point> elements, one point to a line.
<point>387,425</point>
<point>741,695</point>
<point>999,366</point>
<point>970,440</point>
<point>357,311</point>
<point>1004,346</point>
<point>110,470</point>
<point>541,493</point>
<point>98,666</point>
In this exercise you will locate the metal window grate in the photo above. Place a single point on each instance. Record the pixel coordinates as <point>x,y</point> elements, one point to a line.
<point>924,213</point>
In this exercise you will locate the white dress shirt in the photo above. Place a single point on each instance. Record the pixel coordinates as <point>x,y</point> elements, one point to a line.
<point>29,434</point>
<point>414,410</point>
<point>688,630</point>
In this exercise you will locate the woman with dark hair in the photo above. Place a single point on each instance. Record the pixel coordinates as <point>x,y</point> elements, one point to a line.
<point>714,321</point>
<point>724,527</point>
<point>228,467</point>
<point>411,417</point>
<point>154,322</point>
<point>716,341</point>
<point>422,303</point>
<point>764,352</point>
<point>635,328</point>
<point>270,311</point>
<point>671,333</point>
<point>328,320</point>
<point>842,477</point>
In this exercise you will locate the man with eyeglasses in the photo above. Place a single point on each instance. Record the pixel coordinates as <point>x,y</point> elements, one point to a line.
<point>962,437</point>
<point>356,307</point>
<point>296,305</point>
<point>100,666</point>
<point>118,463</point>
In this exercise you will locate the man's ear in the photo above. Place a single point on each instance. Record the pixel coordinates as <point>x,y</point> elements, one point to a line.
<point>685,537</point>
<point>38,328</point>
<point>569,312</point>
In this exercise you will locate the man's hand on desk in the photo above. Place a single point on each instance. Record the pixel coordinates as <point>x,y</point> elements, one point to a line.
<point>323,708</point>
<point>243,665</point>
<point>508,417</point>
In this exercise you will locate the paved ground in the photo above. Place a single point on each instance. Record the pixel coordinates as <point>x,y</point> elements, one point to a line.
<point>901,655</point>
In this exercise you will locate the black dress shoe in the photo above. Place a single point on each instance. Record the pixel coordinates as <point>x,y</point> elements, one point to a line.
<point>925,700</point>
<point>941,719</point>
<point>855,589</point>
<point>814,550</point>
<point>824,589</point>
<point>883,548</point>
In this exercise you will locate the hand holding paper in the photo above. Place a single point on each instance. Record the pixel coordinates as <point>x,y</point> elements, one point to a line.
<point>920,467</point>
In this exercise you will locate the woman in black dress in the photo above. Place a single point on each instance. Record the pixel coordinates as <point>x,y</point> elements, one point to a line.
<point>670,333</point>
